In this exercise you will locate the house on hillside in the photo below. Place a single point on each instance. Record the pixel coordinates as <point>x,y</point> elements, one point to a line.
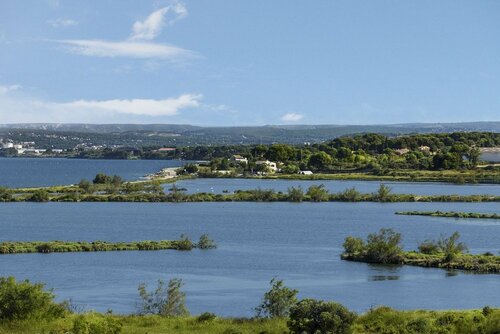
<point>269,164</point>
<point>239,159</point>
<point>401,151</point>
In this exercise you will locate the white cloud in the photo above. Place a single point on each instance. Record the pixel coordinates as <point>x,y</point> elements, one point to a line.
<point>147,107</point>
<point>60,23</point>
<point>4,90</point>
<point>22,108</point>
<point>292,117</point>
<point>151,27</point>
<point>144,50</point>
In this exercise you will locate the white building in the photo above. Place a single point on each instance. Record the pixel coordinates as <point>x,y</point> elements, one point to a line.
<point>240,159</point>
<point>270,165</point>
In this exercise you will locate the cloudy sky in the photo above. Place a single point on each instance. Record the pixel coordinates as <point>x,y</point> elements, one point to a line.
<point>236,62</point>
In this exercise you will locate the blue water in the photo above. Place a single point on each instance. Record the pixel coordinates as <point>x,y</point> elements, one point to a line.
<point>419,188</point>
<point>38,172</point>
<point>299,243</point>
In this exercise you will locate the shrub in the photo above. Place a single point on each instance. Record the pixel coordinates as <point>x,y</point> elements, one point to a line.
<point>353,246</point>
<point>5,194</point>
<point>94,323</point>
<point>206,316</point>
<point>295,194</point>
<point>24,300</point>
<point>278,301</point>
<point>316,316</point>
<point>450,247</point>
<point>39,196</point>
<point>384,246</point>
<point>184,243</point>
<point>318,193</point>
<point>428,247</point>
<point>383,193</point>
<point>206,242</point>
<point>167,301</point>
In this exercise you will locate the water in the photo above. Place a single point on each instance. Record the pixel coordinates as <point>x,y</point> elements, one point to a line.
<point>418,188</point>
<point>38,172</point>
<point>299,243</point>
<point>491,156</point>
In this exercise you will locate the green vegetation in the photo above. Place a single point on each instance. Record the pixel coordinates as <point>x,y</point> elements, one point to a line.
<point>166,301</point>
<point>184,243</point>
<point>152,191</point>
<point>317,316</point>
<point>451,214</point>
<point>26,308</point>
<point>278,301</point>
<point>384,247</point>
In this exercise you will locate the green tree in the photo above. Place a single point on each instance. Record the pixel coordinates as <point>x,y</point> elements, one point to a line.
<point>5,194</point>
<point>86,186</point>
<point>316,316</point>
<point>24,300</point>
<point>278,301</point>
<point>168,301</point>
<point>451,247</point>
<point>191,168</point>
<point>383,193</point>
<point>101,178</point>
<point>353,246</point>
<point>320,161</point>
<point>39,195</point>
<point>384,246</point>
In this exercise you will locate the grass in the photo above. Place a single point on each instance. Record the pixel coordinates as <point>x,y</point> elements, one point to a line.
<point>382,320</point>
<point>450,214</point>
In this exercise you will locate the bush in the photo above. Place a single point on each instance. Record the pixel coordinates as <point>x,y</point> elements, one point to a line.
<point>166,301</point>
<point>384,247</point>
<point>295,194</point>
<point>316,316</point>
<point>94,323</point>
<point>39,196</point>
<point>353,246</point>
<point>206,242</point>
<point>278,301</point>
<point>184,243</point>
<point>206,316</point>
<point>318,193</point>
<point>24,300</point>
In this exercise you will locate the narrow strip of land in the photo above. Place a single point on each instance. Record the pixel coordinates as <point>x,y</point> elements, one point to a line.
<point>183,244</point>
<point>450,214</point>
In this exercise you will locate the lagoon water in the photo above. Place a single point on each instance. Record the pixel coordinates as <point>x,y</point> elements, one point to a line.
<point>297,242</point>
<point>37,172</point>
<point>220,185</point>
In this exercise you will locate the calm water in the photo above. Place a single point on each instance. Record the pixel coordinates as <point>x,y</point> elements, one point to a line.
<point>418,188</point>
<point>37,172</point>
<point>299,243</point>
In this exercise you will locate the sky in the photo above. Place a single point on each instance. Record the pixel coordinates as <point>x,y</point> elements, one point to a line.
<point>235,62</point>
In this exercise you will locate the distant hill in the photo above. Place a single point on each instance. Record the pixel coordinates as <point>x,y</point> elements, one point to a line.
<point>139,135</point>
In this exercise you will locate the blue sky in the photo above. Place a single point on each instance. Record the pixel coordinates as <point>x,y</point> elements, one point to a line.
<point>237,62</point>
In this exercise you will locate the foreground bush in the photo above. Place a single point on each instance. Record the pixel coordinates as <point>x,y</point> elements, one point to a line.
<point>278,301</point>
<point>25,300</point>
<point>95,323</point>
<point>316,316</point>
<point>167,301</point>
<point>385,320</point>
